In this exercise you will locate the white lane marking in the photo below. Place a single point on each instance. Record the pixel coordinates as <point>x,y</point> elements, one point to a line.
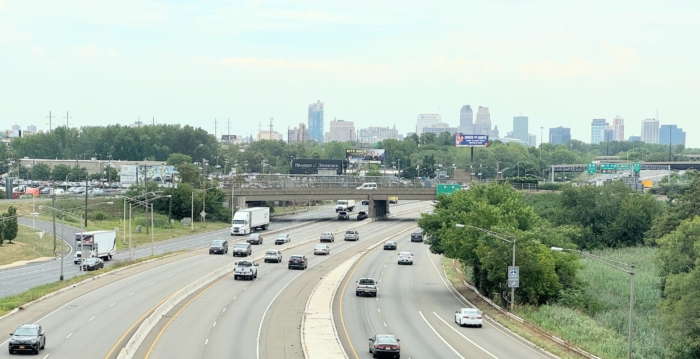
<point>206,342</point>
<point>234,298</point>
<point>463,336</point>
<point>132,293</point>
<point>214,324</point>
<point>384,324</point>
<point>69,335</point>
<point>189,267</point>
<point>439,336</point>
<point>171,275</point>
<point>384,267</point>
<point>46,356</point>
<point>93,317</point>
<point>113,304</point>
<point>152,284</point>
<point>225,308</point>
<point>379,310</point>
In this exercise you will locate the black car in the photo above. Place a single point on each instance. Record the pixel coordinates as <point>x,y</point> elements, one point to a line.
<point>390,245</point>
<point>362,216</point>
<point>218,246</point>
<point>255,238</point>
<point>365,202</point>
<point>393,201</point>
<point>93,264</point>
<point>297,261</point>
<point>27,338</point>
<point>416,237</point>
<point>384,345</point>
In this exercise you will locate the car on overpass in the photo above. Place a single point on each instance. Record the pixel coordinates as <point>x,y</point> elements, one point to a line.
<point>384,345</point>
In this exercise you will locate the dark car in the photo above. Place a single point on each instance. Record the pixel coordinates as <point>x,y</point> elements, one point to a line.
<point>93,264</point>
<point>416,237</point>
<point>393,201</point>
<point>391,245</point>
<point>255,238</point>
<point>297,261</point>
<point>343,215</point>
<point>384,345</point>
<point>27,338</point>
<point>361,216</point>
<point>242,249</point>
<point>218,246</point>
<point>365,202</point>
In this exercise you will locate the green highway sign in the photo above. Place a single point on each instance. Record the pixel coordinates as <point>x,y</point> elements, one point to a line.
<point>637,167</point>
<point>624,167</point>
<point>608,167</point>
<point>591,168</point>
<point>447,188</point>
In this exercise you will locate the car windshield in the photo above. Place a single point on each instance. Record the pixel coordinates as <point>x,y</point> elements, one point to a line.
<point>241,245</point>
<point>386,340</point>
<point>349,232</point>
<point>26,331</point>
<point>320,246</point>
<point>254,235</point>
<point>405,254</point>
<point>238,221</point>
<point>91,260</point>
<point>296,257</point>
<point>470,311</point>
<point>415,234</point>
<point>366,281</point>
<point>245,264</point>
<point>282,236</point>
<point>390,243</point>
<point>217,243</point>
<point>326,234</point>
<point>271,252</point>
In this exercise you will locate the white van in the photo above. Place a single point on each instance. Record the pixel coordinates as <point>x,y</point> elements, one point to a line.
<point>368,185</point>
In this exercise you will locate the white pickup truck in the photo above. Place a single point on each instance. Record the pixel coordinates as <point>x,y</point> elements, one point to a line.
<point>245,269</point>
<point>366,286</point>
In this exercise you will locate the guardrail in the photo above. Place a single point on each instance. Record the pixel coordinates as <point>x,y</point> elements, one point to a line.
<point>314,181</point>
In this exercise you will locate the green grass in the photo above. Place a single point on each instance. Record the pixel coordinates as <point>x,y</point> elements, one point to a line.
<point>9,303</point>
<point>605,333</point>
<point>28,246</point>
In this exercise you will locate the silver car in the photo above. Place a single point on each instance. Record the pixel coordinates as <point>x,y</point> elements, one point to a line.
<point>282,238</point>
<point>327,237</point>
<point>273,255</point>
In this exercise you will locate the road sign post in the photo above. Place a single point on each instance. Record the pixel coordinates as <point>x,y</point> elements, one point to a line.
<point>513,276</point>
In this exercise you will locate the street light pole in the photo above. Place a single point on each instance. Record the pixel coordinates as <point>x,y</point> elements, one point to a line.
<point>152,231</point>
<point>615,264</point>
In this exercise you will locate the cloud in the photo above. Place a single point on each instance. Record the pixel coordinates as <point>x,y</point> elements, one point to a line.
<point>11,35</point>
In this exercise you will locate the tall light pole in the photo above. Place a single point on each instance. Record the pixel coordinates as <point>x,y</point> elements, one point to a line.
<point>500,236</point>
<point>617,265</point>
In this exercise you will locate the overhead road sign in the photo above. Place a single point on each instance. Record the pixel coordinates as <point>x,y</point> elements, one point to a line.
<point>447,188</point>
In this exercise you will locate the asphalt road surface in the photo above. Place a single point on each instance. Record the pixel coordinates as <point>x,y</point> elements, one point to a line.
<point>415,304</point>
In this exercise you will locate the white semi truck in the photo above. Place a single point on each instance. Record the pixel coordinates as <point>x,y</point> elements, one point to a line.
<point>345,205</point>
<point>249,219</point>
<point>102,244</point>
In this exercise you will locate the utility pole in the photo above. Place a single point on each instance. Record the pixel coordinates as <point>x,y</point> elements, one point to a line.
<point>215,128</point>
<point>49,122</point>
<point>86,198</point>
<point>259,130</point>
<point>67,117</point>
<point>229,130</point>
<point>204,192</point>
<point>270,128</point>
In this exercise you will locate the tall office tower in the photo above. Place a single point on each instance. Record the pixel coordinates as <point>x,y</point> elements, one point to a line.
<point>482,126</point>
<point>531,140</point>
<point>618,129</point>
<point>341,131</point>
<point>634,138</point>
<point>650,130</point>
<point>520,128</point>
<point>598,127</point>
<point>300,134</point>
<point>559,135</point>
<point>608,133</point>
<point>466,119</point>
<point>316,121</point>
<point>426,120</point>
<point>672,134</point>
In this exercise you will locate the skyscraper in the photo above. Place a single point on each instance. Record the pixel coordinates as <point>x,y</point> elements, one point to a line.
<point>520,129</point>
<point>531,140</point>
<point>559,135</point>
<point>300,134</point>
<point>608,134</point>
<point>316,121</point>
<point>672,134</point>
<point>426,120</point>
<point>341,131</point>
<point>598,127</point>
<point>618,129</point>
<point>466,119</point>
<point>650,130</point>
<point>482,126</point>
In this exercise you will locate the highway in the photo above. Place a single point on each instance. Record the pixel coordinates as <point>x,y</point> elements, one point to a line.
<point>415,304</point>
<point>18,279</point>
<point>95,320</point>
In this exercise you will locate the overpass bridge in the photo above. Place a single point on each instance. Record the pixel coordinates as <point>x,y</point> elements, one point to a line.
<point>261,188</point>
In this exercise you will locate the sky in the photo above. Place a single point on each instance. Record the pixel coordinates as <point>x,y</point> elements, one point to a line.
<point>377,63</point>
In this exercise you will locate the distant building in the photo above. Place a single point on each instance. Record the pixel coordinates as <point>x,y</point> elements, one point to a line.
<point>316,121</point>
<point>608,134</point>
<point>138,123</point>
<point>372,135</point>
<point>532,140</point>
<point>426,120</point>
<point>439,128</point>
<point>650,130</point>
<point>482,126</point>
<point>618,127</point>
<point>341,131</point>
<point>634,138</point>
<point>31,128</point>
<point>298,134</point>
<point>466,119</point>
<point>598,127</point>
<point>16,128</point>
<point>266,135</point>
<point>559,135</point>
<point>672,134</point>
<point>520,127</point>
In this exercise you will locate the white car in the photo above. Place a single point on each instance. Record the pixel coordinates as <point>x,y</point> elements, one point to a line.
<point>273,255</point>
<point>468,316</point>
<point>322,249</point>
<point>406,258</point>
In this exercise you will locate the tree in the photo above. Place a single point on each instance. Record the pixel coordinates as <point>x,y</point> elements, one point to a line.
<point>10,227</point>
<point>189,173</point>
<point>78,174</point>
<point>177,159</point>
<point>683,207</point>
<point>61,172</point>
<point>41,171</point>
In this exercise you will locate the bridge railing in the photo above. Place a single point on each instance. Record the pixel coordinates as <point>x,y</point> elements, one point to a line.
<point>267,182</point>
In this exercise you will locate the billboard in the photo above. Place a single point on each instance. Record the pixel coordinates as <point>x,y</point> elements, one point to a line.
<point>371,155</point>
<point>312,166</point>
<point>228,138</point>
<point>127,173</point>
<point>462,140</point>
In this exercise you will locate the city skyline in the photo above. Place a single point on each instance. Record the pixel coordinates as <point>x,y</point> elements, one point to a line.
<point>189,64</point>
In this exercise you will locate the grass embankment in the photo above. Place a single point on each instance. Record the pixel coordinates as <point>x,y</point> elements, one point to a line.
<point>605,332</point>
<point>9,303</point>
<point>28,245</point>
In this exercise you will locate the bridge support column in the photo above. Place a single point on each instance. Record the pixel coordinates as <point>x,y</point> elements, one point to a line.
<point>378,209</point>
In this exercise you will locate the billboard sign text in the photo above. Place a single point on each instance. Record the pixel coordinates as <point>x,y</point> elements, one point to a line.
<point>462,140</point>
<point>371,155</point>
<point>312,166</point>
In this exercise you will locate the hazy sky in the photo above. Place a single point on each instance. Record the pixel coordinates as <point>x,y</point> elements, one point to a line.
<point>378,63</point>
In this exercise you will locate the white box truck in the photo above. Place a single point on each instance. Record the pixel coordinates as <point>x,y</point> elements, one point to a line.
<point>102,244</point>
<point>246,220</point>
<point>345,205</point>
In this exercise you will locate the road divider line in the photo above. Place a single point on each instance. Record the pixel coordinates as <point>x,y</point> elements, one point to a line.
<point>440,336</point>
<point>464,336</point>
<point>134,325</point>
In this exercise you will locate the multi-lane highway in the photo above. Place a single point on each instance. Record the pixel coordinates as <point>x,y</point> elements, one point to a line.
<point>96,320</point>
<point>415,303</point>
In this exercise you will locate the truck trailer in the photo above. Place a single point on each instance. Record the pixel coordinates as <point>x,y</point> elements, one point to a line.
<point>102,244</point>
<point>249,219</point>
